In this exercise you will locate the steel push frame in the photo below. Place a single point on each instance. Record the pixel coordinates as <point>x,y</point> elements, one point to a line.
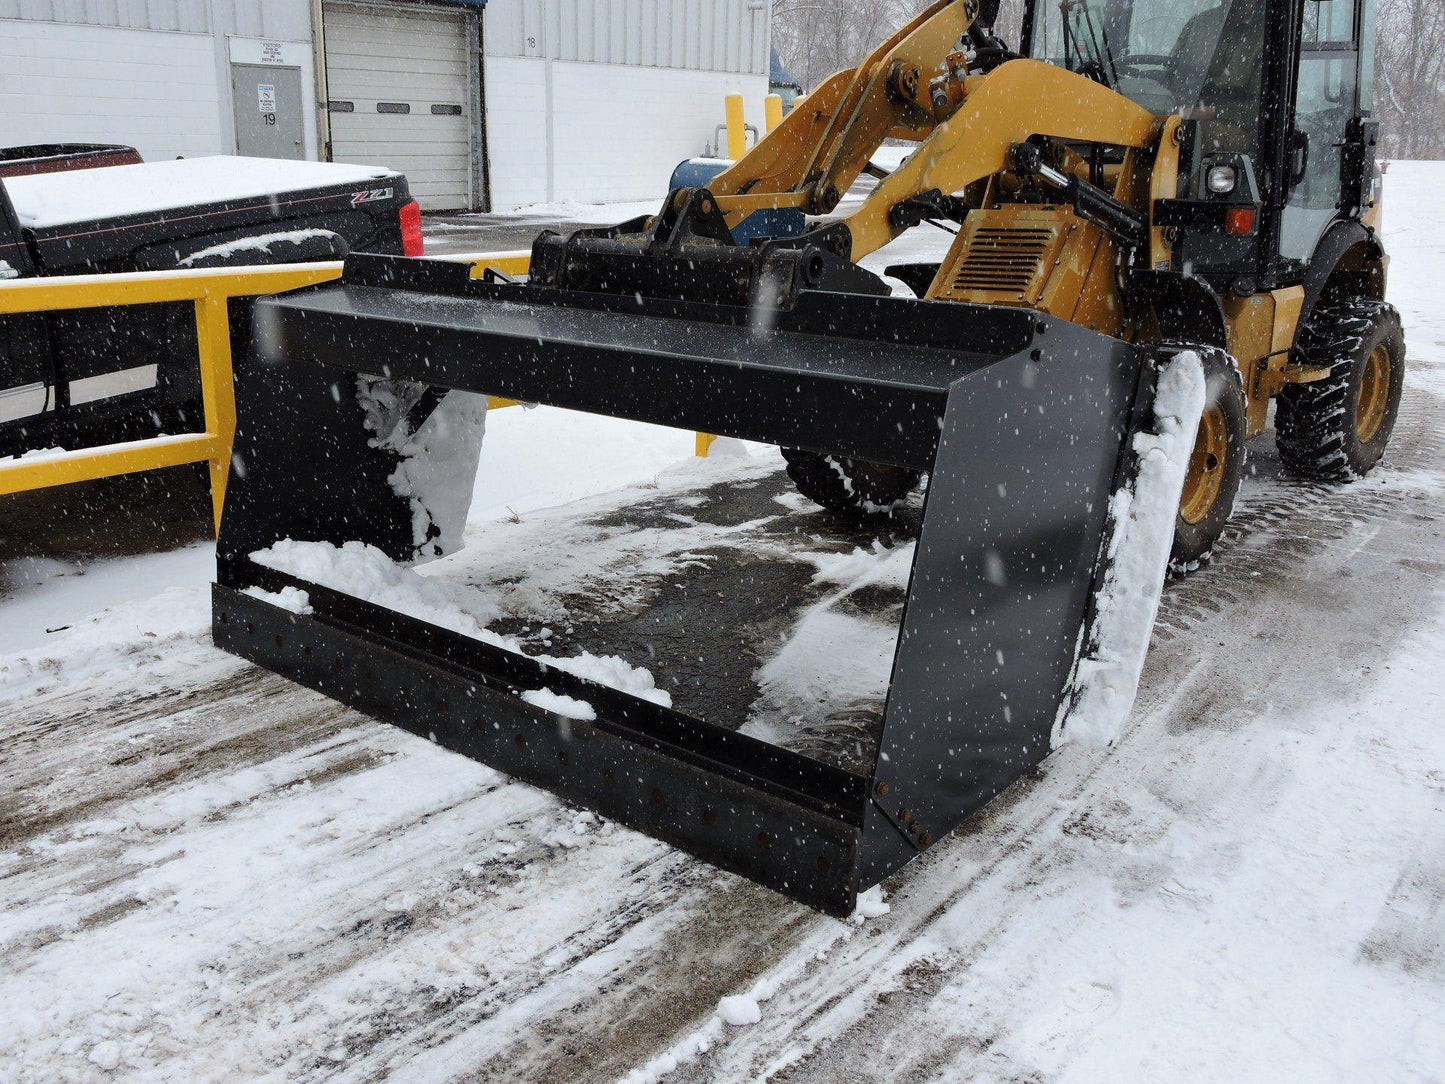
<point>1022,420</point>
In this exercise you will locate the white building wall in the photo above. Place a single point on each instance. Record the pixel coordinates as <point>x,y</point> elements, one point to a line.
<point>585,99</point>
<point>517,141</point>
<point>593,100</point>
<point>157,92</point>
<point>286,19</point>
<point>153,74</point>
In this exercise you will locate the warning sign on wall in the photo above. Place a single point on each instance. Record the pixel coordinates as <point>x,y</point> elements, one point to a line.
<point>266,97</point>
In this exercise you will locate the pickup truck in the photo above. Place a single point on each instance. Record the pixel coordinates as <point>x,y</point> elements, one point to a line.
<point>98,376</point>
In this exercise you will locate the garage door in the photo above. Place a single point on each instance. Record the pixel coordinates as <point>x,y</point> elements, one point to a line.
<point>399,84</point>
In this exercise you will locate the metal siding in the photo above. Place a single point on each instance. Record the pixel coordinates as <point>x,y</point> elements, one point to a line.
<point>567,47</point>
<point>505,26</point>
<point>624,28</point>
<point>692,25</point>
<point>599,14</point>
<point>534,29</point>
<point>718,51</point>
<point>637,32</point>
<point>647,33</point>
<point>700,35</point>
<point>289,20</point>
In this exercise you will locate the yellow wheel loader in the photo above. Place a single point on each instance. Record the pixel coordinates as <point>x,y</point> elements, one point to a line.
<point>1140,181</point>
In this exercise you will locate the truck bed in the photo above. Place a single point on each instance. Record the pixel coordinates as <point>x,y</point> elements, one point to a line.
<point>50,200</point>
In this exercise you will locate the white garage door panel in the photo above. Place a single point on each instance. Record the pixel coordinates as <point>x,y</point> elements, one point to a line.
<point>416,58</point>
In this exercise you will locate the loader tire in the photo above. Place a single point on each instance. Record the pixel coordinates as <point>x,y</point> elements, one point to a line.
<point>1216,465</point>
<point>1336,429</point>
<point>849,485</point>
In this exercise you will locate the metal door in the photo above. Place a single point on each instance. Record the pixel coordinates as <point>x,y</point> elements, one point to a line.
<point>402,82</point>
<point>267,102</point>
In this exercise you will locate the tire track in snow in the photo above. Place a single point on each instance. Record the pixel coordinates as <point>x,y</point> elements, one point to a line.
<point>446,933</point>
<point>895,981</point>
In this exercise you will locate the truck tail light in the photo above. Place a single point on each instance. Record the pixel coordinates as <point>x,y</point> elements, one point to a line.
<point>412,243</point>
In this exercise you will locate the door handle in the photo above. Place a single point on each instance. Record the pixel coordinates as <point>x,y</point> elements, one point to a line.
<point>1299,157</point>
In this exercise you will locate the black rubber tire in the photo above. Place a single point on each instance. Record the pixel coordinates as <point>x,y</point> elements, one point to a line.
<point>1223,388</point>
<point>1315,424</point>
<point>850,485</point>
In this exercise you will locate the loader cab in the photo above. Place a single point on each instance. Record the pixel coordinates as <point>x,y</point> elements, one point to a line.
<point>1275,97</point>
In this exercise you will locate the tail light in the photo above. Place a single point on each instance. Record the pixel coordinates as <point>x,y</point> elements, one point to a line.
<point>1239,221</point>
<point>412,243</point>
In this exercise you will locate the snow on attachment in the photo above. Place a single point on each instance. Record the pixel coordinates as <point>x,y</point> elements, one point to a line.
<point>364,572</point>
<point>566,706</point>
<point>439,442</point>
<point>1106,673</point>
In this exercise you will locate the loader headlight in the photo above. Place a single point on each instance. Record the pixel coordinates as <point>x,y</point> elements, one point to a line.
<point>1221,180</point>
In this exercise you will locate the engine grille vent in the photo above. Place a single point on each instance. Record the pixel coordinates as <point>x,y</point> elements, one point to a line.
<point>1007,259</point>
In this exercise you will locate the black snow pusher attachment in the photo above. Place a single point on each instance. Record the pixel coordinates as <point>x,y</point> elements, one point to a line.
<point>1021,420</point>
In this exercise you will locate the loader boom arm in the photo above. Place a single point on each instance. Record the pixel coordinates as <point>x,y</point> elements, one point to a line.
<point>810,159</point>
<point>915,82</point>
<point>1019,99</point>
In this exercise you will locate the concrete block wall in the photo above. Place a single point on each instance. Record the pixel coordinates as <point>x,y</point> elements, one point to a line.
<point>516,130</point>
<point>615,132</point>
<point>156,91</point>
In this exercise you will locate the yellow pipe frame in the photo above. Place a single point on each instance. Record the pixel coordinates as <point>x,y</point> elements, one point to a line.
<point>210,291</point>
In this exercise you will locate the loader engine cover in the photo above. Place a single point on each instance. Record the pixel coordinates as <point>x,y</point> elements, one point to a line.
<point>1023,422</point>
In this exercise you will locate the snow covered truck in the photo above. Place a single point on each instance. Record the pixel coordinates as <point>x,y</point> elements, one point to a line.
<point>80,378</point>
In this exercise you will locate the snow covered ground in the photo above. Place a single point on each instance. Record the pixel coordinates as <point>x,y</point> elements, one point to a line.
<point>211,875</point>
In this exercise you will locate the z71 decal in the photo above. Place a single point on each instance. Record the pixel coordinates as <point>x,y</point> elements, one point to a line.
<point>371,195</point>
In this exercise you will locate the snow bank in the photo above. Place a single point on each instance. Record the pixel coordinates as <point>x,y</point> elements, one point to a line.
<point>48,599</point>
<point>613,671</point>
<point>1106,672</point>
<point>86,195</point>
<point>364,572</point>
<point>438,468</point>
<point>159,640</point>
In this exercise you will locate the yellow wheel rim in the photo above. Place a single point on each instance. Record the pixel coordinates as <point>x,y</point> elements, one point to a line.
<point>1205,478</point>
<point>1374,394</point>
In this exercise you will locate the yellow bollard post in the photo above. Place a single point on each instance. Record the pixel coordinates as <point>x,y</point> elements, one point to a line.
<point>702,443</point>
<point>773,110</point>
<point>218,393</point>
<point>737,136</point>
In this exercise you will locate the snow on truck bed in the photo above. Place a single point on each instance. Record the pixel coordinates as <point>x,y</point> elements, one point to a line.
<point>209,874</point>
<point>88,195</point>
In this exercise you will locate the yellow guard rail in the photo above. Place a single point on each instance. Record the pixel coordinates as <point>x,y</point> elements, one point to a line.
<point>210,289</point>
